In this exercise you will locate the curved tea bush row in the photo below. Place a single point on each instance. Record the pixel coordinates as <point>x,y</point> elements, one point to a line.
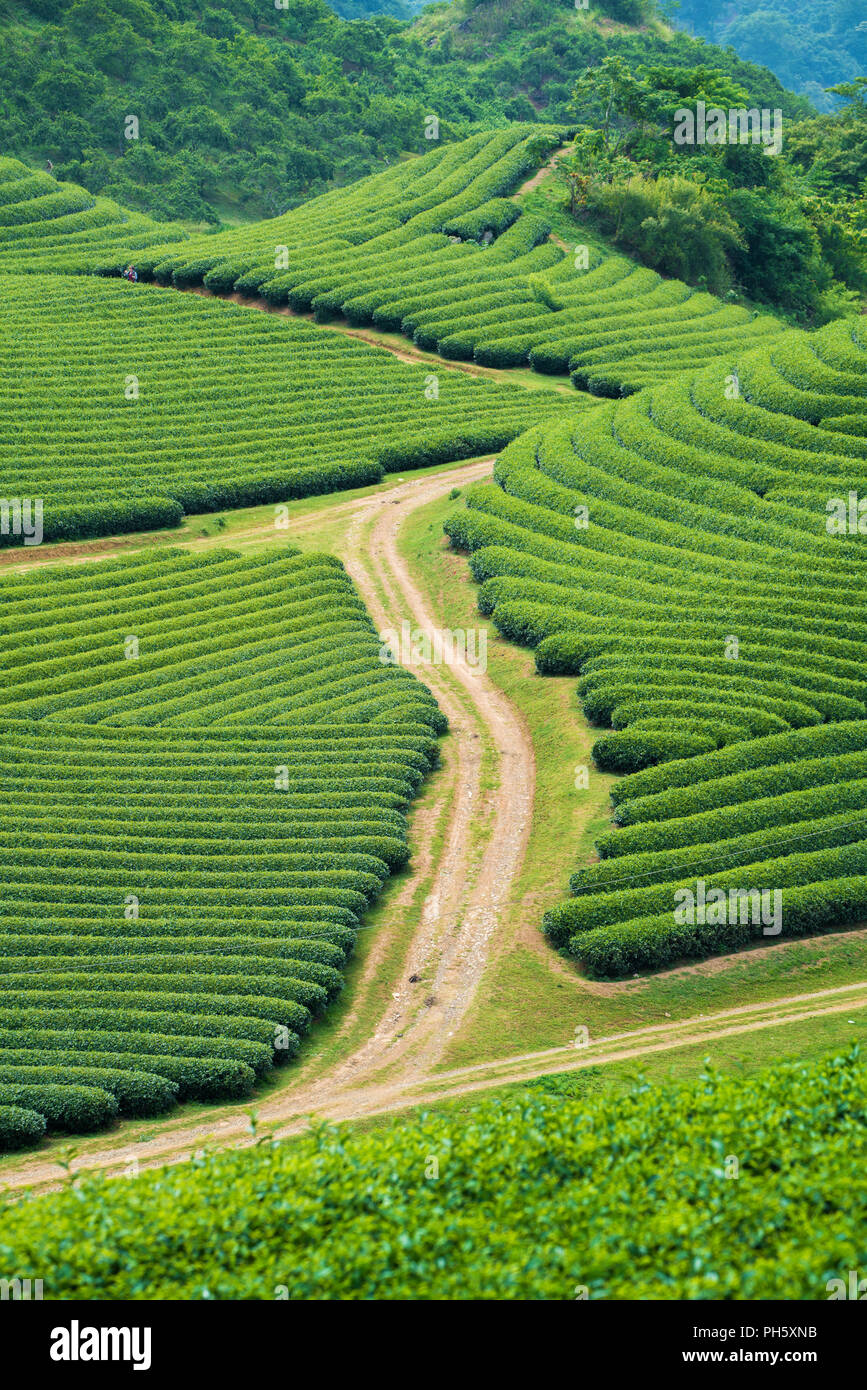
<point>125,406</point>
<point>284,1216</point>
<point>186,1078</point>
<point>20,1128</point>
<point>138,1094</point>
<point>832,741</point>
<point>736,847</point>
<point>227,1066</point>
<point>66,1108</point>
<point>721,824</point>
<point>675,551</point>
<point>47,225</point>
<point>208,765</point>
<point>793,866</point>
<point>650,943</point>
<point>435,248</point>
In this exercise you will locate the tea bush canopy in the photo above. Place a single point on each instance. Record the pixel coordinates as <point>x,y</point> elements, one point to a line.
<point>537,1197</point>
<point>208,767</point>
<point>129,405</point>
<point>695,555</point>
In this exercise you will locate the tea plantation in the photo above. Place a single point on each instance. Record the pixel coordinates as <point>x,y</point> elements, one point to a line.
<point>125,406</point>
<point>48,225</point>
<point>537,1197</point>
<point>695,553</point>
<point>211,766</point>
<point>207,768</point>
<point>437,249</point>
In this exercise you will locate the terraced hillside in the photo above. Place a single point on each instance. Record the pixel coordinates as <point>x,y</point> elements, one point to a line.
<point>672,549</point>
<point>125,406</point>
<point>207,768</point>
<point>695,553</point>
<point>437,249</point>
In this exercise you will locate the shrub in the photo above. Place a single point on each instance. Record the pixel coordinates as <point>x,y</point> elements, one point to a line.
<point>20,1128</point>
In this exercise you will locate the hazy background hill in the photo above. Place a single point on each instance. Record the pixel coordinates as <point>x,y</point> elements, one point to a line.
<point>809,46</point>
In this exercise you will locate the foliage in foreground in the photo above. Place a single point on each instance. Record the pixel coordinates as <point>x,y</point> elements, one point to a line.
<point>626,1197</point>
<point>246,109</point>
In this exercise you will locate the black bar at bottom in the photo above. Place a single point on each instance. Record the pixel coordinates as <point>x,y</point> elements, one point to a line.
<point>165,1340</point>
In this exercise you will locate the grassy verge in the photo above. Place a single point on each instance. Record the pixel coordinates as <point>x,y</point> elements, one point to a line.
<point>807,1040</point>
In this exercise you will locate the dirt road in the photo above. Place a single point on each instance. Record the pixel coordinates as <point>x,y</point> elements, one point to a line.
<point>290,1113</point>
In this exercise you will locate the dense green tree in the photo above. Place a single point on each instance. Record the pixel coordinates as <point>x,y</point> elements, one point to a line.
<point>728,217</point>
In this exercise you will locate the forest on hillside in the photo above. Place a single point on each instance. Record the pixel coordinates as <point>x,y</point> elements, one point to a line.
<point>809,47</point>
<point>245,111</point>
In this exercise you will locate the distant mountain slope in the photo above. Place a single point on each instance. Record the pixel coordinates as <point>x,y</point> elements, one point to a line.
<point>809,47</point>
<point>244,110</point>
<point>365,9</point>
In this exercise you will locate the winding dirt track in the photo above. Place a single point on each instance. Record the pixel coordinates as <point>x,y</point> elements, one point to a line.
<point>473,875</point>
<point>487,822</point>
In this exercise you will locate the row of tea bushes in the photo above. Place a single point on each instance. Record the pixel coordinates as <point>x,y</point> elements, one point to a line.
<point>208,769</point>
<point>123,407</point>
<point>675,551</point>
<point>577,1182</point>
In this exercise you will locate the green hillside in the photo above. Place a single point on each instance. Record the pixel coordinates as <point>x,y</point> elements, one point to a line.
<point>435,249</point>
<point>316,413</point>
<point>809,47</point>
<point>245,110</point>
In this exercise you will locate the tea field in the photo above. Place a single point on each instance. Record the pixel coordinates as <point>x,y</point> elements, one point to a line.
<point>125,406</point>
<point>694,554</point>
<point>537,1196</point>
<point>207,770</point>
<point>437,249</point>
